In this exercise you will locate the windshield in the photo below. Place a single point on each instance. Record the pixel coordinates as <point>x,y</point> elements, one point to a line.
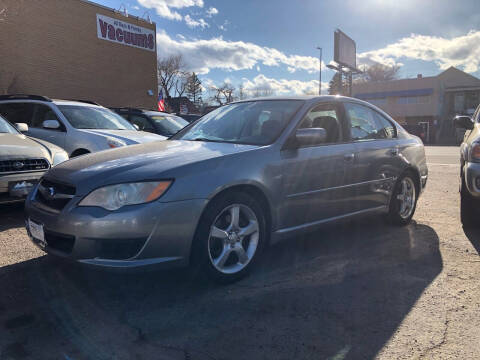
<point>169,125</point>
<point>252,122</point>
<point>89,117</point>
<point>6,128</point>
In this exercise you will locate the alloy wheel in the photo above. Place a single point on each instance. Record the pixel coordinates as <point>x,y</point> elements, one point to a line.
<point>233,238</point>
<point>406,198</point>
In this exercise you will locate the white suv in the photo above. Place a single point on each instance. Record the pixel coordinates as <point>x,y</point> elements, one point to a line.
<point>79,127</point>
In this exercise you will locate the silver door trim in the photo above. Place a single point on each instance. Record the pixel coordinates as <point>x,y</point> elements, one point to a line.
<point>339,187</point>
<point>282,232</point>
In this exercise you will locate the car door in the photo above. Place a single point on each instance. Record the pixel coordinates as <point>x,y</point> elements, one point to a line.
<point>42,113</point>
<point>377,156</point>
<point>316,177</point>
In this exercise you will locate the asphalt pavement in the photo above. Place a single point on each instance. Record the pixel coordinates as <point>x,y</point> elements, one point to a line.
<point>359,290</point>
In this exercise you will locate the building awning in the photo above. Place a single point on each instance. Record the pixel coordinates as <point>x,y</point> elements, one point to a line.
<point>455,89</point>
<point>399,93</point>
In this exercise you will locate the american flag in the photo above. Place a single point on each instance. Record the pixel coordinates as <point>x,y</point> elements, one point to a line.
<point>161,101</point>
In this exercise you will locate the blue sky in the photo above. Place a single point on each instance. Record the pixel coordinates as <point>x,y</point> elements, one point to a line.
<point>271,43</point>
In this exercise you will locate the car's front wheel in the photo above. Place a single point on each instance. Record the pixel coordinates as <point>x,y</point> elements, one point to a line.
<point>230,237</point>
<point>404,200</point>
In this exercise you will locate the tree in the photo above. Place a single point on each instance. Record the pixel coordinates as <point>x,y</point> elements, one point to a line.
<point>194,88</point>
<point>335,86</point>
<point>181,83</point>
<point>222,94</point>
<point>379,72</point>
<point>169,70</point>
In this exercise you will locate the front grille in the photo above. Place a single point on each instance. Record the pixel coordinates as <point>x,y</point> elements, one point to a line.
<point>22,165</point>
<point>54,195</point>
<point>119,249</point>
<point>59,242</point>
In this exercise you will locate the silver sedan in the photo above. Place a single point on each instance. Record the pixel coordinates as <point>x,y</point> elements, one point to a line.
<point>216,194</point>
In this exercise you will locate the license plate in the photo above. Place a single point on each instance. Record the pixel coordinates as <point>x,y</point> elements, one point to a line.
<point>21,188</point>
<point>36,230</point>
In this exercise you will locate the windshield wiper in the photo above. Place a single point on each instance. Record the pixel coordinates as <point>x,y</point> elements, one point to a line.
<point>204,139</point>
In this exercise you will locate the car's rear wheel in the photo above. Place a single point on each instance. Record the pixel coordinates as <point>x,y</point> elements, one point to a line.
<point>468,209</point>
<point>230,237</point>
<point>404,200</point>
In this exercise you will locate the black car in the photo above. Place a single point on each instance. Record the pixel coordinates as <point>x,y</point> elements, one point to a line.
<point>153,121</point>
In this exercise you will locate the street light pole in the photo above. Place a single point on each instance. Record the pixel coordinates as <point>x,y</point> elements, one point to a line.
<point>320,75</point>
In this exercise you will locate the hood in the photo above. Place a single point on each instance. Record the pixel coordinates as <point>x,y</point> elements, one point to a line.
<point>138,162</point>
<point>128,136</point>
<point>18,146</point>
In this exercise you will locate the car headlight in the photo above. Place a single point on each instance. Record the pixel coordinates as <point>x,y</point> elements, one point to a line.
<point>475,152</point>
<point>59,157</point>
<point>113,197</point>
<point>114,143</point>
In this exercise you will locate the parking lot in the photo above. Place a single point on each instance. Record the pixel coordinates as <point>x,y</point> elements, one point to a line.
<point>357,290</point>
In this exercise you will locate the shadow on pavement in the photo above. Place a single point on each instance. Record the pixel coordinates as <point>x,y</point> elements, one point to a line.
<point>474,236</point>
<point>11,215</point>
<point>339,293</point>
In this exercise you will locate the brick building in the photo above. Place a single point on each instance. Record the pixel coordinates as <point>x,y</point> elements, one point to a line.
<point>76,49</point>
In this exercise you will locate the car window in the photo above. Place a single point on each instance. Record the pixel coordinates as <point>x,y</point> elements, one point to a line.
<point>169,125</point>
<point>251,122</point>
<point>385,129</point>
<point>5,127</point>
<point>367,124</point>
<point>18,112</point>
<point>93,117</point>
<point>42,113</point>
<point>142,123</point>
<point>326,117</point>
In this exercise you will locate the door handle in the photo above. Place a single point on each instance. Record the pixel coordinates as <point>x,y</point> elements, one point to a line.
<point>349,157</point>
<point>394,151</point>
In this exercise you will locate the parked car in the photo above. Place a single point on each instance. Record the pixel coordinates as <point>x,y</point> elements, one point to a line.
<point>79,127</point>
<point>215,194</point>
<point>157,122</point>
<point>23,161</point>
<point>469,169</point>
<point>190,117</point>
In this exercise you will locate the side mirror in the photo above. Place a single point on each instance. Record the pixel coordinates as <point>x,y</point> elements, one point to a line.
<point>463,122</point>
<point>311,136</point>
<point>136,126</point>
<point>51,124</point>
<point>22,127</point>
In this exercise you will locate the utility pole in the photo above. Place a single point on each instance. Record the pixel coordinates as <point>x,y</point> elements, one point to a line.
<point>320,74</point>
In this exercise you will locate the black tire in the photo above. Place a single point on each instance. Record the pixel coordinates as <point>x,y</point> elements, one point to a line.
<point>201,258</point>
<point>394,215</point>
<point>468,207</point>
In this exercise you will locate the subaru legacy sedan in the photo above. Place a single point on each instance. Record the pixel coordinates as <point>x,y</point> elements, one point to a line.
<point>218,192</point>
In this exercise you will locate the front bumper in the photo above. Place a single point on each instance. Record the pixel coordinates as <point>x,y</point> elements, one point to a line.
<point>471,172</point>
<point>6,180</point>
<point>135,236</point>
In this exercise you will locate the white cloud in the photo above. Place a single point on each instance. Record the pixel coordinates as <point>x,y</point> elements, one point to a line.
<point>212,11</point>
<point>462,51</point>
<point>136,7</point>
<point>164,7</point>
<point>203,55</point>
<point>192,23</point>
<point>283,86</point>
<point>258,68</point>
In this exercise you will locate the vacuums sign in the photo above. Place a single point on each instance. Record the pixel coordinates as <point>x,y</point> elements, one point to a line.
<point>124,33</point>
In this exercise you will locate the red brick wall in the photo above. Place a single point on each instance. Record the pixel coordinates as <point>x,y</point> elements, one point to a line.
<point>51,48</point>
